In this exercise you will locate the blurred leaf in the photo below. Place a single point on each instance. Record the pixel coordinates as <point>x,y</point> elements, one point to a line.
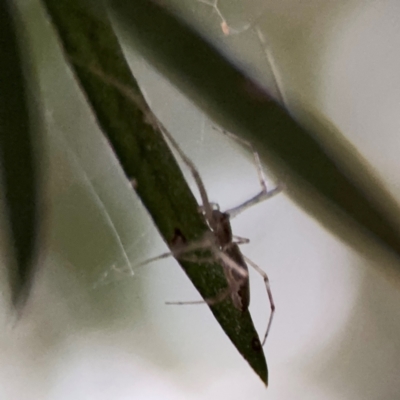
<point>317,159</point>
<point>17,157</point>
<point>91,46</point>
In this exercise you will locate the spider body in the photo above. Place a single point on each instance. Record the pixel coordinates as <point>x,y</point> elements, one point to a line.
<point>240,285</point>
<point>237,278</point>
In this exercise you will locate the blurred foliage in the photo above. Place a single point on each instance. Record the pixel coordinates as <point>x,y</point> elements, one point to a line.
<point>19,158</point>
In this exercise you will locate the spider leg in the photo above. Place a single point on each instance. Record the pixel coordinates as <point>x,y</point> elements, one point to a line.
<point>256,157</point>
<point>206,207</point>
<point>153,259</point>
<point>221,296</point>
<point>260,197</point>
<point>269,292</point>
<point>240,240</point>
<point>237,277</point>
<point>264,194</point>
<point>179,252</point>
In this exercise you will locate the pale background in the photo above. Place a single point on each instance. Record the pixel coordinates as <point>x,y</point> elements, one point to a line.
<point>90,332</point>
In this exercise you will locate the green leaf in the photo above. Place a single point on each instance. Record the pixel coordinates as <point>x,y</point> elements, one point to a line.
<point>315,160</point>
<point>91,46</point>
<point>17,157</point>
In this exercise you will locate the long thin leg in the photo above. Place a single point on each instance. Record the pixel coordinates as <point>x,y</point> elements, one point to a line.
<point>221,296</point>
<point>264,193</point>
<point>177,253</point>
<point>181,253</point>
<point>206,206</point>
<point>240,240</point>
<point>260,197</point>
<point>269,292</point>
<point>233,285</point>
<point>218,255</point>
<point>130,272</point>
<point>256,157</point>
<point>153,259</point>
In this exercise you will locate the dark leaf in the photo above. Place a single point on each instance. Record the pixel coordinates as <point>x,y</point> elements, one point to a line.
<point>93,50</point>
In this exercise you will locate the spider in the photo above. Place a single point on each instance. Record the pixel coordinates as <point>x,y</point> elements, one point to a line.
<point>223,245</point>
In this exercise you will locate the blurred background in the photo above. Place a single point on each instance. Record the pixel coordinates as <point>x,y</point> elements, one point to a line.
<point>92,330</point>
